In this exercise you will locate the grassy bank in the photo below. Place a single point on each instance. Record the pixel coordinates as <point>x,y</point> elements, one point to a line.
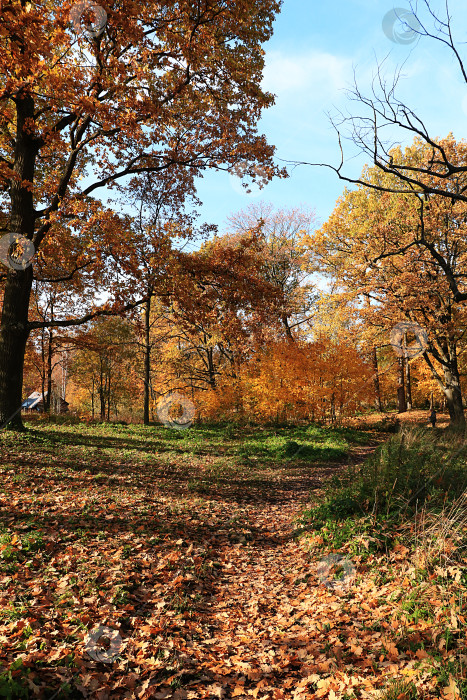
<point>401,517</point>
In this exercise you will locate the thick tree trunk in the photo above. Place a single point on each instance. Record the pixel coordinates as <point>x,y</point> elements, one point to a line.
<point>401,405</point>
<point>453,396</point>
<point>147,359</point>
<point>14,328</point>
<point>43,366</point>
<point>450,384</point>
<point>13,337</point>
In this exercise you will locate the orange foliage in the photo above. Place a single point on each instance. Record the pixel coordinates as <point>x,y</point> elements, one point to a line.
<point>286,381</point>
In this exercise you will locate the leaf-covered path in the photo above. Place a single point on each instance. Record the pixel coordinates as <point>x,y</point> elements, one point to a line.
<point>183,549</point>
<point>274,624</point>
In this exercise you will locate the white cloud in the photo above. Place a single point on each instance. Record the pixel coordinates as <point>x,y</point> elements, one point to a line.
<point>304,73</point>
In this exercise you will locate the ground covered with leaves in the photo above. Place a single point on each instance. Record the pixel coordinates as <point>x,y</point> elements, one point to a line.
<point>142,562</point>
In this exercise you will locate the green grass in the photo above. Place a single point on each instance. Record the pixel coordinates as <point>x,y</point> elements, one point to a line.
<point>412,468</point>
<point>53,464</point>
<point>370,510</point>
<point>105,450</point>
<point>12,682</point>
<point>400,690</point>
<point>363,506</point>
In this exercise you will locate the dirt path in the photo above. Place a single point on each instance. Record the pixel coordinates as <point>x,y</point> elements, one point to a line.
<point>273,626</point>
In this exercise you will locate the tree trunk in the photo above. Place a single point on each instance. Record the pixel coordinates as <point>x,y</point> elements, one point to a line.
<point>408,385</point>
<point>13,337</point>
<point>211,368</point>
<point>109,395</point>
<point>147,359</point>
<point>401,405</point>
<point>14,328</point>
<point>450,384</point>
<point>48,398</point>
<point>102,391</point>
<point>453,396</point>
<point>43,366</point>
<point>333,409</point>
<point>374,362</point>
<point>288,332</point>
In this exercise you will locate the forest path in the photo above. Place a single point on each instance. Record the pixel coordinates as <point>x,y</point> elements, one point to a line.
<point>275,631</point>
<point>184,545</point>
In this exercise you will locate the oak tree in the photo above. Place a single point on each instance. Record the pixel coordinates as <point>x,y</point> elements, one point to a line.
<point>379,245</point>
<point>167,84</point>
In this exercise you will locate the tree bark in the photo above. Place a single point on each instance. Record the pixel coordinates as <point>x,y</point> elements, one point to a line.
<point>102,391</point>
<point>43,365</point>
<point>450,384</point>
<point>211,368</point>
<point>13,337</point>
<point>374,362</point>
<point>147,358</point>
<point>14,327</point>
<point>109,393</point>
<point>48,398</point>
<point>453,395</point>
<point>408,385</point>
<point>401,405</point>
<point>288,332</point>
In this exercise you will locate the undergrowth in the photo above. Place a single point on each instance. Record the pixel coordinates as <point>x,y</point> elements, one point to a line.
<point>411,469</point>
<point>401,516</point>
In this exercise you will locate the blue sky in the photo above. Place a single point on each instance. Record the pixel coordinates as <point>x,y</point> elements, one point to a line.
<point>310,62</point>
